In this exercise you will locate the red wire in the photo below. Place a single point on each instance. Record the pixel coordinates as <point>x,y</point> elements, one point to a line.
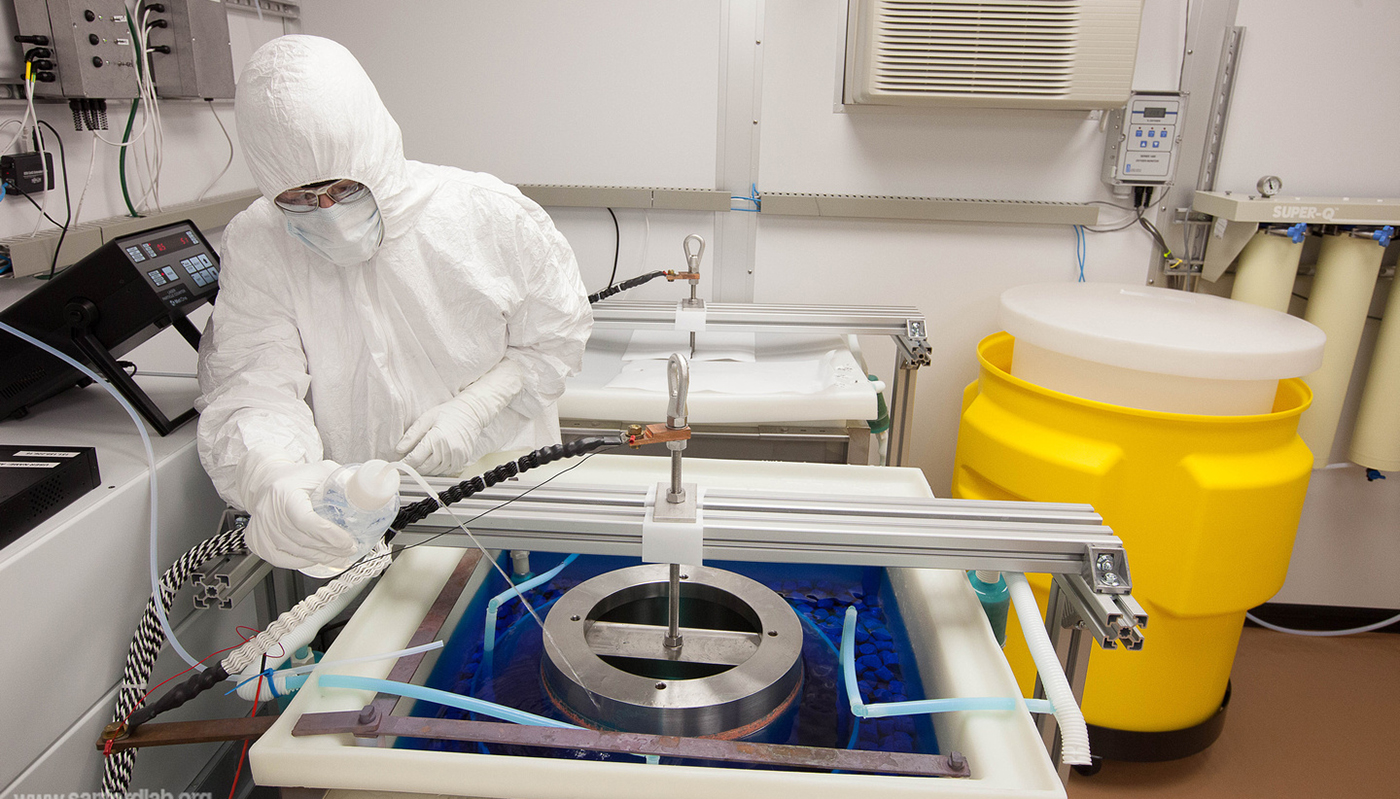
<point>257,694</point>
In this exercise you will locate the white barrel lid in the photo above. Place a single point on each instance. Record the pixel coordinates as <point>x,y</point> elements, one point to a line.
<point>1162,330</point>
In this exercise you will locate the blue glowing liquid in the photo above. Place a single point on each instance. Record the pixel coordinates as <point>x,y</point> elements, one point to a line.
<point>821,716</point>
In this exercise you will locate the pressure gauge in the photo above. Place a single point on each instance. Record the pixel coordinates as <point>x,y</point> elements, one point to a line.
<point>1269,185</point>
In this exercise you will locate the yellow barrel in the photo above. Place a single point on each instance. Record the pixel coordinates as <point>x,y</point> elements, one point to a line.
<point>1207,507</point>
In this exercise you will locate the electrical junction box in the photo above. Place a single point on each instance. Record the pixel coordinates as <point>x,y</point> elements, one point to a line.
<point>1143,139</point>
<point>91,44</point>
<point>38,481</point>
<point>200,62</point>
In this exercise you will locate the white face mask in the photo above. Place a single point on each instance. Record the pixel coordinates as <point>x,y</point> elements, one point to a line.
<point>344,234</point>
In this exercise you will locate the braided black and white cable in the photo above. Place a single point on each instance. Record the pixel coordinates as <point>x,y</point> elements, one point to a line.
<point>371,566</point>
<point>146,645</point>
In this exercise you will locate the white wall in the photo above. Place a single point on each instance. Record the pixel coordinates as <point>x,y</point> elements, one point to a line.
<point>195,148</point>
<point>953,272</point>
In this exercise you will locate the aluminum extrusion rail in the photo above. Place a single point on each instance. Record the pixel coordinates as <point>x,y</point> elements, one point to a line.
<point>1069,541</point>
<point>906,323</point>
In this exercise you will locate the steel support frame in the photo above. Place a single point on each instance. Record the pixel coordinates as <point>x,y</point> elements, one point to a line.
<point>763,526</point>
<point>905,325</point>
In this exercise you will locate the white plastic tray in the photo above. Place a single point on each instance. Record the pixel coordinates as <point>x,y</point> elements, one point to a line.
<point>954,647</point>
<point>766,378</point>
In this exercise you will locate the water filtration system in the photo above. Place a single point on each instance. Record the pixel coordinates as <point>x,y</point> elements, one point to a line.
<point>1263,236</point>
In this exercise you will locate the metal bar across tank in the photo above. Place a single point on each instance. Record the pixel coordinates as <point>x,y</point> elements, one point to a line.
<point>787,528</point>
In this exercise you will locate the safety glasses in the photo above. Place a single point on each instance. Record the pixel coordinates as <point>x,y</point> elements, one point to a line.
<point>305,199</point>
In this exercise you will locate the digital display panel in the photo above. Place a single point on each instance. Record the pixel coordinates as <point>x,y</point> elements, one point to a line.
<point>175,241</point>
<point>1155,112</point>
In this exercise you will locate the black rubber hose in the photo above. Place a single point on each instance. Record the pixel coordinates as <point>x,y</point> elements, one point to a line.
<point>530,460</point>
<point>629,283</point>
<point>179,695</point>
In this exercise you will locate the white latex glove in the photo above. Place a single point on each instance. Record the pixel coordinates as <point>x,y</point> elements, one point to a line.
<point>283,529</point>
<point>444,440</point>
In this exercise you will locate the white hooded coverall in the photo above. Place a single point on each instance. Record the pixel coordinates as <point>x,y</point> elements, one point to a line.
<point>316,360</point>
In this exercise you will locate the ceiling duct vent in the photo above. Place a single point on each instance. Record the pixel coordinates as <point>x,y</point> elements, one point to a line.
<point>993,54</point>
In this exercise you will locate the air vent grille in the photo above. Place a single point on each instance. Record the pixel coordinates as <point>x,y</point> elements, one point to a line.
<point>977,48</point>
<point>1017,53</point>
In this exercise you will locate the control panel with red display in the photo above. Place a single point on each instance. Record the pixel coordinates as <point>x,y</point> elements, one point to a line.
<point>175,261</point>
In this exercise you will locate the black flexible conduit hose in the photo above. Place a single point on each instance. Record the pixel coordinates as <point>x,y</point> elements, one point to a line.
<point>530,460</point>
<point>629,283</point>
<point>149,637</point>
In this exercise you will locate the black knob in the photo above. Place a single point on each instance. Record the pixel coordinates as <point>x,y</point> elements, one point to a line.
<point>97,61</point>
<point>89,16</point>
<point>93,39</point>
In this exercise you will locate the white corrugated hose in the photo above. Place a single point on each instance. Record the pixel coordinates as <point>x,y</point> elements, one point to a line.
<point>1074,733</point>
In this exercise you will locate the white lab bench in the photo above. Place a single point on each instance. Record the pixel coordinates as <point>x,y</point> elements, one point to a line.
<point>73,588</point>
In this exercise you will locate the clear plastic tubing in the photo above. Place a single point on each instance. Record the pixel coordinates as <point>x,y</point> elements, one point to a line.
<point>150,461</point>
<point>1324,633</point>
<point>918,706</point>
<point>488,643</point>
<point>470,704</point>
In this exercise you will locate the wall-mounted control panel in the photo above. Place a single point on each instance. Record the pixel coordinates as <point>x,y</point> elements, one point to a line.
<point>199,63</point>
<point>1143,139</point>
<point>89,44</point>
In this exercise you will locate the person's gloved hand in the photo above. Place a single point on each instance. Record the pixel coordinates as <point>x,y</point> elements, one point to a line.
<point>283,528</point>
<point>445,439</point>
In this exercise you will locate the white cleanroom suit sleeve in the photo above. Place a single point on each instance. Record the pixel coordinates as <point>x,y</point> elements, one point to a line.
<point>547,321</point>
<point>548,331</point>
<point>252,371</point>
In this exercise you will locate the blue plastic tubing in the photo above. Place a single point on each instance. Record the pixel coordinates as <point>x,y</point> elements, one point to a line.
<point>435,696</point>
<point>949,705</point>
<point>488,643</point>
<point>458,701</point>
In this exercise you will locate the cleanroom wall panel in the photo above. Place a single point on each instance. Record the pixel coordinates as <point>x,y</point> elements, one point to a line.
<point>1311,101</point>
<point>623,93</point>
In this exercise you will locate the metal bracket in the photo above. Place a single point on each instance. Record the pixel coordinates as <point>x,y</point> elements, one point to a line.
<point>1111,619</point>
<point>1108,571</point>
<point>224,584</point>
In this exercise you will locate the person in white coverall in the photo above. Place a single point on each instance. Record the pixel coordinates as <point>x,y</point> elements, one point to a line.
<point>370,307</point>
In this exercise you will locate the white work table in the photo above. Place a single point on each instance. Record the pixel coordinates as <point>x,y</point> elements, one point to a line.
<point>73,588</point>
